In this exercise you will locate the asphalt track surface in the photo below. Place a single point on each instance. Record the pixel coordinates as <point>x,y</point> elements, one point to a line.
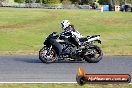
<point>31,69</point>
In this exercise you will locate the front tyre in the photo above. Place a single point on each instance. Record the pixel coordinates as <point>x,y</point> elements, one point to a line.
<point>47,55</point>
<point>93,55</point>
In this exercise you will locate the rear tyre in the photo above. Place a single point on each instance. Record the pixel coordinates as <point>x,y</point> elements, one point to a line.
<point>93,55</point>
<point>46,55</point>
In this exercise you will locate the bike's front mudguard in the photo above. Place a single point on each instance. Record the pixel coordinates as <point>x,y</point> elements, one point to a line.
<point>56,45</point>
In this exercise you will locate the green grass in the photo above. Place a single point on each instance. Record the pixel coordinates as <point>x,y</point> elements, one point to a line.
<point>24,30</point>
<point>64,86</point>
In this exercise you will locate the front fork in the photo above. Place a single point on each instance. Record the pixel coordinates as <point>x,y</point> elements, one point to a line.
<point>49,49</point>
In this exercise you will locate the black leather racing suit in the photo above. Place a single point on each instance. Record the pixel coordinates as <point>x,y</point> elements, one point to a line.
<point>71,35</point>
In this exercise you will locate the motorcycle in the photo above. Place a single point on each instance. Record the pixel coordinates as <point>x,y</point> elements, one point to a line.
<point>57,48</point>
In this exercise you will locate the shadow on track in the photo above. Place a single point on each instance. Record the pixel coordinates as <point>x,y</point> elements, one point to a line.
<point>36,60</point>
<point>28,60</point>
<point>70,61</point>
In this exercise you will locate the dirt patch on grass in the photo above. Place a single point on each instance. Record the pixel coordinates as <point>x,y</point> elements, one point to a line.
<point>20,52</point>
<point>115,22</point>
<point>21,25</point>
<point>30,23</point>
<point>18,25</point>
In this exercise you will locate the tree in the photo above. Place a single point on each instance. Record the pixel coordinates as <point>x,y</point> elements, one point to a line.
<point>104,2</point>
<point>1,2</point>
<point>122,1</point>
<point>39,1</point>
<point>89,1</point>
<point>33,1</point>
<point>129,1</point>
<point>116,2</point>
<point>78,1</point>
<point>27,1</point>
<point>19,1</point>
<point>86,1</point>
<point>73,1</point>
<point>51,1</point>
<point>66,2</point>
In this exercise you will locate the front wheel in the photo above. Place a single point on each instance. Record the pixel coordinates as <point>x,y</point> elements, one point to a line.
<point>93,55</point>
<point>47,55</point>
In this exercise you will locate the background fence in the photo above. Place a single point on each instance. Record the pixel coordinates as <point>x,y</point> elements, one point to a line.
<point>47,6</point>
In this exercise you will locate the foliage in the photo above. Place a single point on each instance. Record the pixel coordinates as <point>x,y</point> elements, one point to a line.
<point>116,2</point>
<point>51,1</point>
<point>103,2</point>
<point>1,2</point>
<point>79,1</point>
<point>19,1</point>
<point>66,2</point>
<point>31,1</point>
<point>39,1</point>
<point>129,1</point>
<point>88,1</point>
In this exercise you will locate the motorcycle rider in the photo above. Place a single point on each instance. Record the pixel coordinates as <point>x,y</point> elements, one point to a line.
<point>68,29</point>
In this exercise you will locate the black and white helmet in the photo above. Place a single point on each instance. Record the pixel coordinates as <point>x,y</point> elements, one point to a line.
<point>65,24</point>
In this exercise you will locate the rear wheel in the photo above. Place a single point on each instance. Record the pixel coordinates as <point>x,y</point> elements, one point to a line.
<point>47,55</point>
<point>93,55</point>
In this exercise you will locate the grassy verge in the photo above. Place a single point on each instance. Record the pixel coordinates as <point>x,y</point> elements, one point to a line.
<point>64,86</point>
<point>22,31</point>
